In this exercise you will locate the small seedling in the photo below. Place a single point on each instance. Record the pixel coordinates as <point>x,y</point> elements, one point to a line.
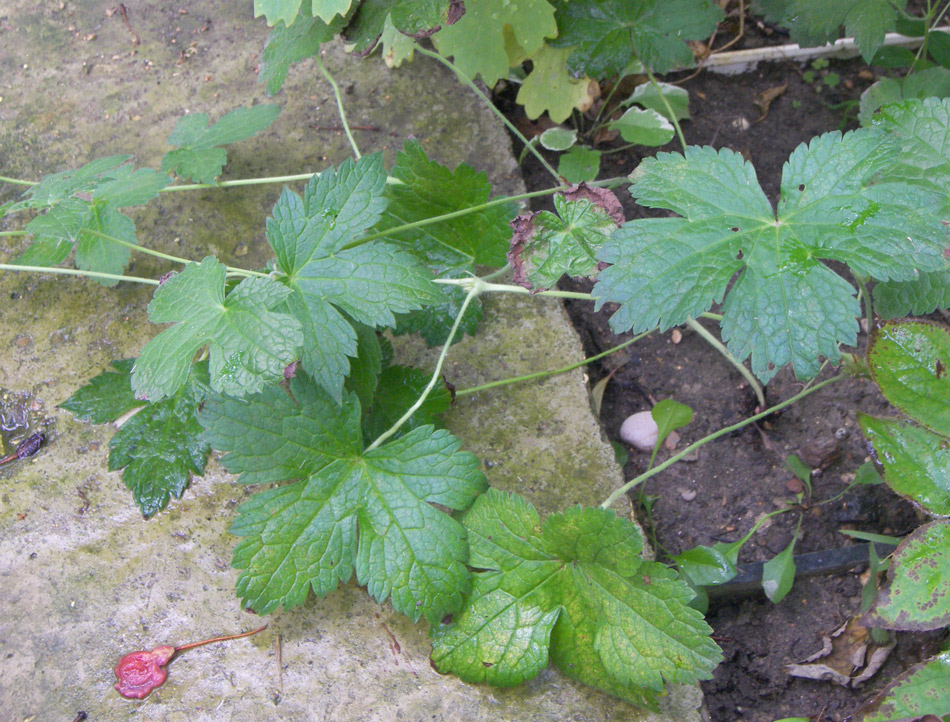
<point>141,672</point>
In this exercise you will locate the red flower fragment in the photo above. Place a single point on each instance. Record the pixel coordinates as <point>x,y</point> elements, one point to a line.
<point>141,672</point>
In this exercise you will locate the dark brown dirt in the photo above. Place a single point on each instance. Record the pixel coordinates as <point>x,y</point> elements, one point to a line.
<point>718,495</point>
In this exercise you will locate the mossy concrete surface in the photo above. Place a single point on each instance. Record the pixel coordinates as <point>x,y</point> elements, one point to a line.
<point>83,578</point>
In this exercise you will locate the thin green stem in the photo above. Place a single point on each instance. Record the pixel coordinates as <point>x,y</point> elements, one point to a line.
<point>721,348</point>
<point>339,104</point>
<point>491,106</point>
<point>16,181</point>
<point>78,272</point>
<point>468,283</point>
<point>609,501</point>
<point>669,108</point>
<point>134,247</point>
<point>436,374</point>
<point>555,372</point>
<point>495,274</point>
<point>14,233</point>
<point>239,182</point>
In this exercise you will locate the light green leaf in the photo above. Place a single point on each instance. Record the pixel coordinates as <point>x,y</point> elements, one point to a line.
<point>369,511</point>
<point>128,188</point>
<point>55,188</point>
<point>199,155</point>
<point>579,164</point>
<point>397,47</point>
<point>249,343</point>
<point>547,246</point>
<point>644,127</point>
<point>918,85</point>
<point>54,233</point>
<point>607,34</point>
<point>917,595</point>
<point>778,574</point>
<point>558,139</point>
<point>277,10</point>
<point>326,9</point>
<point>786,306</point>
<point>669,415</point>
<point>574,588</point>
<point>549,87</point>
<point>429,189</point>
<point>289,44</point>
<point>95,253</point>
<point>909,361</point>
<point>922,127</point>
<point>923,295</point>
<point>920,691</point>
<point>476,42</point>
<point>916,461</point>
<point>799,468</point>
<point>651,96</point>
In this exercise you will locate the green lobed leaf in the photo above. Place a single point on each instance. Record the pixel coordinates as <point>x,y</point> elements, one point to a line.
<point>370,511</point>
<point>550,88</point>
<point>922,127</point>
<point>925,294</point>
<point>161,446</point>
<point>476,41</point>
<point>574,588</point>
<point>579,164</point>
<point>278,436</point>
<point>546,246</point>
<point>917,595</point>
<point>644,127</point>
<point>290,43</point>
<point>277,10</point>
<point>778,574</point>
<point>916,461</point>
<point>435,320</point>
<point>920,691</point>
<point>331,287</point>
<point>786,305</point>
<point>128,188</point>
<point>919,85</point>
<point>429,189</point>
<point>651,96</point>
<point>909,361</point>
<point>327,9</point>
<point>372,350</point>
<point>199,155</point>
<point>607,34</point>
<point>106,397</point>
<point>57,187</point>
<point>249,343</point>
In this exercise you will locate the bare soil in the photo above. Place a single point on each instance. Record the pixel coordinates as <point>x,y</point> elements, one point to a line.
<point>718,495</point>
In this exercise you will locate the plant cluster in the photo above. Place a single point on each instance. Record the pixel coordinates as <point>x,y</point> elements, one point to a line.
<point>287,371</point>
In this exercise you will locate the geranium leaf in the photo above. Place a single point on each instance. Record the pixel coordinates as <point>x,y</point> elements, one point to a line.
<point>921,690</point>
<point>549,87</point>
<point>368,511</point>
<point>644,127</point>
<point>249,343</point>
<point>290,43</point>
<point>106,397</point>
<point>576,589</point>
<point>923,295</point>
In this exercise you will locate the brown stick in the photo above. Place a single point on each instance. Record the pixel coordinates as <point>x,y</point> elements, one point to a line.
<point>219,639</point>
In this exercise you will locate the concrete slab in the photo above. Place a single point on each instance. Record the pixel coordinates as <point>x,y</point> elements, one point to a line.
<point>83,579</point>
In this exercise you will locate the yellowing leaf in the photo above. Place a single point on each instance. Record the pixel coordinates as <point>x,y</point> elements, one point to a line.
<point>551,88</point>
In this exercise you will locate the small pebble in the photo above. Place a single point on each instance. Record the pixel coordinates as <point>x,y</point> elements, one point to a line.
<point>688,495</point>
<point>640,431</point>
<point>795,486</point>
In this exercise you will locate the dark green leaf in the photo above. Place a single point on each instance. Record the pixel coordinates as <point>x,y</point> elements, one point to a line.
<point>705,566</point>
<point>161,446</point>
<point>199,155</point>
<point>917,596</point>
<point>366,366</point>
<point>800,469</point>
<point>909,361</point>
<point>923,295</point>
<point>608,34</point>
<point>398,389</point>
<point>106,397</point>
<point>916,461</point>
<point>670,415</point>
<point>649,96</point>
<point>920,85</point>
<point>434,321</point>
<point>249,343</point>
<point>576,588</point>
<point>428,190</point>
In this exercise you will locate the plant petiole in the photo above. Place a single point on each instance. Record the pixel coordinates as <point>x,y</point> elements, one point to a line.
<point>609,501</point>
<point>78,272</point>
<point>739,366</point>
<point>339,104</point>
